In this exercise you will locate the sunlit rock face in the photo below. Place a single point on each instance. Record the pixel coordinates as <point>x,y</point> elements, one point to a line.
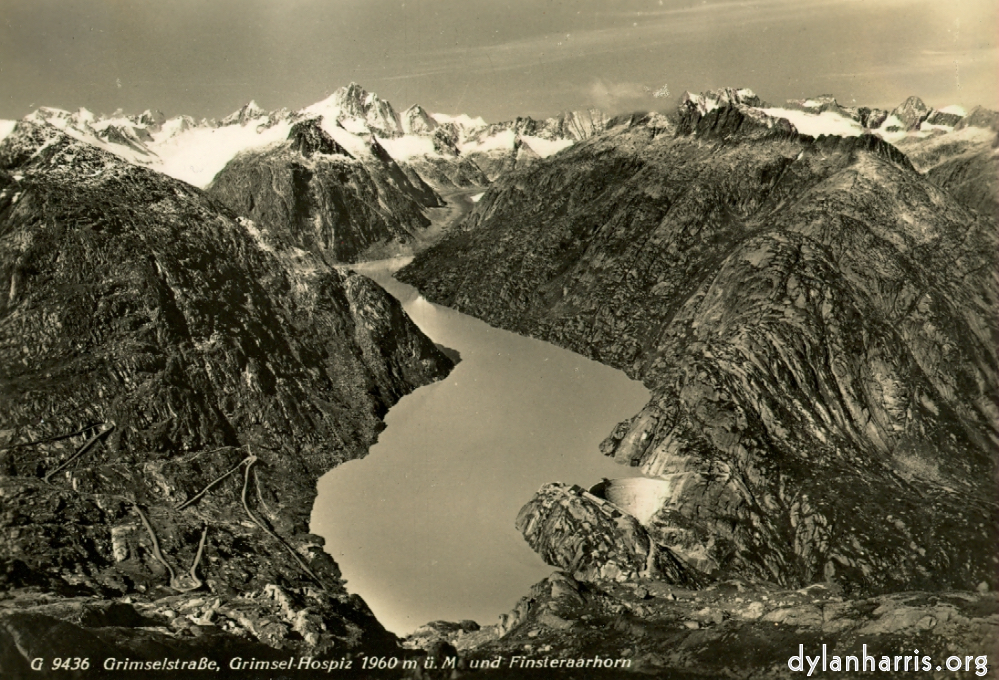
<point>815,320</point>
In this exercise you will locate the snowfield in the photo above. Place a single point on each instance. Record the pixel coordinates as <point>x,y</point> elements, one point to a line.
<point>825,123</point>
<point>198,154</point>
<point>408,146</point>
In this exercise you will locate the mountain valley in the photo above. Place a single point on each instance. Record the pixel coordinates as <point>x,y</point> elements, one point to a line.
<point>807,290</point>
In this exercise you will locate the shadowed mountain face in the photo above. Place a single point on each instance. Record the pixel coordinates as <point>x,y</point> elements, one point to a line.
<point>816,322</point>
<point>313,194</point>
<point>150,341</point>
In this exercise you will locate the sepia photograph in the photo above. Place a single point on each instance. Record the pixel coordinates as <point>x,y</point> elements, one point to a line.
<point>439,339</point>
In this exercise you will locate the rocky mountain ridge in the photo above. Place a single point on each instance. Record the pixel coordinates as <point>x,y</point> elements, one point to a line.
<point>814,317</point>
<point>313,194</point>
<point>336,178</point>
<point>173,386</point>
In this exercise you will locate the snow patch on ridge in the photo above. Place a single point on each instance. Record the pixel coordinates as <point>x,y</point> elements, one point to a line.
<point>355,145</point>
<point>546,147</point>
<point>463,120</point>
<point>408,146</point>
<point>6,127</point>
<point>501,141</point>
<point>196,155</point>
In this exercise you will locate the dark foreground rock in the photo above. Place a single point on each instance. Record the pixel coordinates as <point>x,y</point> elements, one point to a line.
<point>733,629</point>
<point>593,539</point>
<point>171,388</point>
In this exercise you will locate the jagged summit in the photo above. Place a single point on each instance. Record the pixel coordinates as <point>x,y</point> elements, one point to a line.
<point>248,112</point>
<point>727,96</point>
<point>359,111</point>
<point>908,115</point>
<point>415,120</point>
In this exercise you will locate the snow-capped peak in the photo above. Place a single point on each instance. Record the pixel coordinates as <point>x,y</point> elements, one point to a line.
<point>359,124</point>
<point>463,120</point>
<point>249,112</point>
<point>358,111</point>
<point>416,121</point>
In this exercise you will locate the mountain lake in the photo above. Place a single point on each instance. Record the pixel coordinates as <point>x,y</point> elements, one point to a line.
<point>423,527</point>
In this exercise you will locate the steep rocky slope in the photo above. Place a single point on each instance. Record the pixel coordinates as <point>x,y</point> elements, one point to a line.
<point>312,193</point>
<point>965,162</point>
<point>171,388</point>
<point>816,322</point>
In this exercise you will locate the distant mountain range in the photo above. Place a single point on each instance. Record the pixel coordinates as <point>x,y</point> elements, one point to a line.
<point>349,175</point>
<point>195,151</point>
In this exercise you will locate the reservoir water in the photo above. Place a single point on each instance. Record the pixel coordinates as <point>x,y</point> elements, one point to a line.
<point>422,528</point>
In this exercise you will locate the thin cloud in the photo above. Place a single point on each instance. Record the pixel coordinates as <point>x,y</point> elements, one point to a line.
<point>925,62</point>
<point>617,96</point>
<point>671,25</point>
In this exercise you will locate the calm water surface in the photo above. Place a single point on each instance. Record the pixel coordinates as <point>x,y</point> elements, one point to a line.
<point>423,526</point>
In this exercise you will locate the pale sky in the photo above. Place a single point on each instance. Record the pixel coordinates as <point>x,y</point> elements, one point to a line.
<point>488,57</point>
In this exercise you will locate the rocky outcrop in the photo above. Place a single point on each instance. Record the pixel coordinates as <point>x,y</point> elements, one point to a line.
<point>814,319</point>
<point>172,387</point>
<point>732,629</point>
<point>593,539</point>
<point>944,118</point>
<point>723,122</point>
<point>308,138</point>
<point>312,194</point>
<point>728,97</point>
<point>448,173</point>
<point>577,125</point>
<point>872,118</point>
